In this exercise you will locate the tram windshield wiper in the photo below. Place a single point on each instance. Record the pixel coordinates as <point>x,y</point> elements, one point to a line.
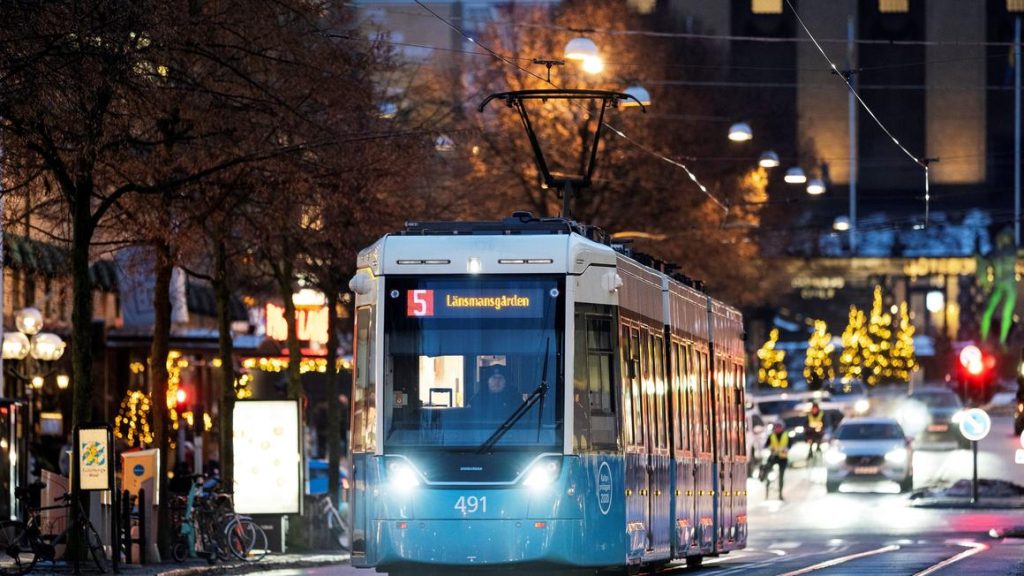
<point>536,396</point>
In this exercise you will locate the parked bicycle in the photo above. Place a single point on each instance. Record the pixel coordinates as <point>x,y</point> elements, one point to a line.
<point>211,528</point>
<point>24,544</point>
<point>335,527</point>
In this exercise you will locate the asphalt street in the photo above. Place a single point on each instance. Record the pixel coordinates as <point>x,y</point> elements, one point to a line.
<point>871,531</point>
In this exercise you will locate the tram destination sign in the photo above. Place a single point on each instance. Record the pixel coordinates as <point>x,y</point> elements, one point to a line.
<point>481,303</point>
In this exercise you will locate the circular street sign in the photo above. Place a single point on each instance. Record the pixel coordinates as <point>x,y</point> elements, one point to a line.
<point>975,424</point>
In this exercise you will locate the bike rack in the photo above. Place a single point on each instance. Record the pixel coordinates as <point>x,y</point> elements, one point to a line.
<point>129,520</point>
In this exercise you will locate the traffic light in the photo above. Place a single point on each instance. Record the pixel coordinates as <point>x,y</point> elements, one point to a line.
<point>181,400</point>
<point>975,375</point>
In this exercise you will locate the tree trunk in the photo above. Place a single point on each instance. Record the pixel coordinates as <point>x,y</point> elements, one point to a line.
<point>294,351</point>
<point>81,315</point>
<point>333,402</point>
<point>158,368</point>
<point>227,366</point>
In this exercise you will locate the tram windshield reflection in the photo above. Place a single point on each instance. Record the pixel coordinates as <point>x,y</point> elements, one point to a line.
<point>463,354</point>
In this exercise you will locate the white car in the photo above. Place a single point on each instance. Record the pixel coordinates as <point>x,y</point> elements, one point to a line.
<point>870,450</point>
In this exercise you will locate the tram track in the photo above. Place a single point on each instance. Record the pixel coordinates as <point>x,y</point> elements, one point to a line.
<point>921,558</point>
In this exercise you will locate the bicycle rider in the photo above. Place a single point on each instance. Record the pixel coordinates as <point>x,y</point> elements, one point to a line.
<point>815,430</point>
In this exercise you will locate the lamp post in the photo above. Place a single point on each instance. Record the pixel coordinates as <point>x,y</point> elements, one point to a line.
<point>29,355</point>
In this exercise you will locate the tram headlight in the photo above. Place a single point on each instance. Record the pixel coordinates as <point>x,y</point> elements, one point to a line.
<point>402,477</point>
<point>542,473</point>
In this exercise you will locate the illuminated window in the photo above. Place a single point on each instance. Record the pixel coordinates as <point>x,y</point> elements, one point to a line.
<point>893,6</point>
<point>642,6</point>
<point>766,6</point>
<point>1015,5</point>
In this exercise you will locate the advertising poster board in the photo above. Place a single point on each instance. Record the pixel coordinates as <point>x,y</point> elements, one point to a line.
<point>267,457</point>
<point>94,458</point>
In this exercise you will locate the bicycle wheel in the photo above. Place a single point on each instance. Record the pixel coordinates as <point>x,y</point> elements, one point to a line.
<point>338,529</point>
<point>17,553</point>
<point>246,540</point>
<point>92,538</point>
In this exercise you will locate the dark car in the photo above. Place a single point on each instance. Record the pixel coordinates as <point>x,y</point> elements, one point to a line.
<point>939,421</point>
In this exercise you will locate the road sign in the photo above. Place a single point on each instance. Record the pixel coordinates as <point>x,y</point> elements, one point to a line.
<point>1020,456</point>
<point>975,424</point>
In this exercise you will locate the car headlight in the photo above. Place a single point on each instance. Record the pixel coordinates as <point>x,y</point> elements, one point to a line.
<point>862,406</point>
<point>542,473</point>
<point>957,417</point>
<point>896,456</point>
<point>834,457</point>
<point>402,477</point>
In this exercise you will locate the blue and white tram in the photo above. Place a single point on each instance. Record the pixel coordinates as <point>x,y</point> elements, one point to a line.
<point>627,448</point>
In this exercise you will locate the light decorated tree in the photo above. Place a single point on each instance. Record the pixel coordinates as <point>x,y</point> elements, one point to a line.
<point>772,370</point>
<point>132,421</point>
<point>903,360</point>
<point>878,352</point>
<point>855,340</point>
<point>818,368</point>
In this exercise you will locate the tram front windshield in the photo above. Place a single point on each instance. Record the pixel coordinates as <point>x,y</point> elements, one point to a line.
<point>473,363</point>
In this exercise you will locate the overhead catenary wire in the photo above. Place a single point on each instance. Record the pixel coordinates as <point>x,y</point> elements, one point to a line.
<point>922,162</point>
<point>616,131</point>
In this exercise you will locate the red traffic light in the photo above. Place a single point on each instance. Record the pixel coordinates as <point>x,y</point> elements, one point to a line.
<point>972,360</point>
<point>181,397</point>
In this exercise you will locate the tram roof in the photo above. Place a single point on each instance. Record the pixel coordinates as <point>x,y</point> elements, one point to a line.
<point>519,224</point>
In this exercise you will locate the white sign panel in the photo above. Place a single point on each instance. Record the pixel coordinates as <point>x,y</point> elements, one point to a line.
<point>1022,439</point>
<point>267,461</point>
<point>1020,456</point>
<point>94,459</point>
<point>975,424</point>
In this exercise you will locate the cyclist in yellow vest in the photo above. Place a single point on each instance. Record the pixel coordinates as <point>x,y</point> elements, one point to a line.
<point>815,429</point>
<point>778,446</point>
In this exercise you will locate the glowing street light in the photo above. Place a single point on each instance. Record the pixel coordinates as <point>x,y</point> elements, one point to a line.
<point>581,48</point>
<point>816,187</point>
<point>740,132</point>
<point>795,175</point>
<point>640,93</point>
<point>769,159</point>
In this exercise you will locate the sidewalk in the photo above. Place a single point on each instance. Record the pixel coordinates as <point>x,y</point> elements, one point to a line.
<point>271,562</point>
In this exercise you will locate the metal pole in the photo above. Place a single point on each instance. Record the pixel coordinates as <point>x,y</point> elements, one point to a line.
<point>3,381</point>
<point>851,104</point>
<point>1016,132</point>
<point>974,481</point>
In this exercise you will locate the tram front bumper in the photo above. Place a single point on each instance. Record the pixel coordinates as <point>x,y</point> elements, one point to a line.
<point>478,543</point>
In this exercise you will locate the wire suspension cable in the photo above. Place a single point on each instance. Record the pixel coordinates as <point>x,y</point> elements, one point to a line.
<point>922,162</point>
<point>616,131</point>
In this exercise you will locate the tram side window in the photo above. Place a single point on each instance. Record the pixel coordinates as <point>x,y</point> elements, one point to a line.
<point>685,405</point>
<point>704,377</point>
<point>364,411</point>
<point>628,372</point>
<point>637,385</point>
<point>660,398</point>
<point>594,399</point>
<point>678,419</point>
<point>600,348</point>
<point>741,420</point>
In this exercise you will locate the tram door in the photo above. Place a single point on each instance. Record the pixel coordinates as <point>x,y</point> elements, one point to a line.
<point>659,495</point>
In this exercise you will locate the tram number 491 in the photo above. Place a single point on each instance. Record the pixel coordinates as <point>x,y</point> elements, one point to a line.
<point>471,504</point>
